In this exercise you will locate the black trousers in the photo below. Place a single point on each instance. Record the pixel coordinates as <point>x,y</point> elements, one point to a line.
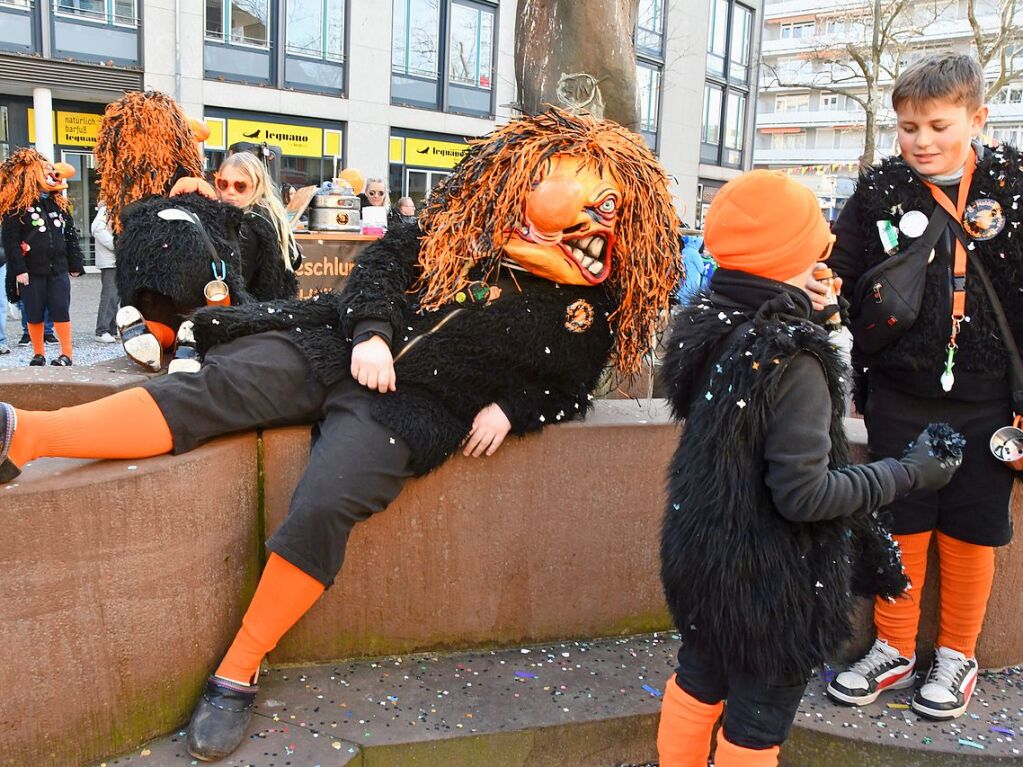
<point>356,466</point>
<point>52,292</point>
<point>758,712</point>
<point>974,506</point>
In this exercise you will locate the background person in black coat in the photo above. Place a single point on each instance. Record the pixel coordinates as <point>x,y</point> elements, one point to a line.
<point>41,246</point>
<point>549,252</point>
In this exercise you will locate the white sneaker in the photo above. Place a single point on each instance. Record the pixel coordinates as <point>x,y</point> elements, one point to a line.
<point>882,668</point>
<point>949,685</point>
<point>106,338</point>
<point>139,344</point>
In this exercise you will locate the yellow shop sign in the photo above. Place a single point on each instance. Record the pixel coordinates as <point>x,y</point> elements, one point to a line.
<point>71,128</point>
<point>434,154</point>
<point>294,140</point>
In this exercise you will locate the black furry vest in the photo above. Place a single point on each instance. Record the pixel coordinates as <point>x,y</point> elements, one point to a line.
<point>892,189</point>
<point>758,593</point>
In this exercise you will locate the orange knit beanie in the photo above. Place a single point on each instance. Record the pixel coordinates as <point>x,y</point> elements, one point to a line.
<point>766,224</point>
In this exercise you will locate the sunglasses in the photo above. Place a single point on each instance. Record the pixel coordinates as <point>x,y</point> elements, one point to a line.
<point>375,194</point>
<point>240,187</point>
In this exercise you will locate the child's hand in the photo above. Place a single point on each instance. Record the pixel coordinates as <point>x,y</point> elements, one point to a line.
<point>22,279</point>
<point>489,428</point>
<point>373,365</point>
<point>819,291</point>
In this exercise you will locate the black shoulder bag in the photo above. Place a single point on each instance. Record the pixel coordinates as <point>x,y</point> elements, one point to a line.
<point>887,297</point>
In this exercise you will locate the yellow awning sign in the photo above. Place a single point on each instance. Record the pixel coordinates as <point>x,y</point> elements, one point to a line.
<point>216,139</point>
<point>78,128</point>
<point>294,140</point>
<point>433,154</point>
<point>396,153</point>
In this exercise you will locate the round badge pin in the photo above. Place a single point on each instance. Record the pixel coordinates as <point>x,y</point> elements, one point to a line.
<point>983,219</point>
<point>913,223</point>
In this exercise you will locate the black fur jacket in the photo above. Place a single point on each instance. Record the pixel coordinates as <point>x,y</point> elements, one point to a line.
<point>768,531</point>
<point>51,239</point>
<point>521,351</point>
<point>886,193</point>
<point>266,277</point>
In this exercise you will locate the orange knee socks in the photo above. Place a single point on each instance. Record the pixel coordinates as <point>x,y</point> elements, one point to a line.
<point>164,333</point>
<point>284,594</point>
<point>731,755</point>
<point>683,736</point>
<point>35,332</point>
<point>63,331</point>
<point>125,425</point>
<point>897,621</point>
<point>967,571</point>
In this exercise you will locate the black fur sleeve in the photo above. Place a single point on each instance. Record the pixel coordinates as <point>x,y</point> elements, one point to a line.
<point>12,245</point>
<point>530,408</point>
<point>268,279</point>
<point>378,286</point>
<point>75,262</point>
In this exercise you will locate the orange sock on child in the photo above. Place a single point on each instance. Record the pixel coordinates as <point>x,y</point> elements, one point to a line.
<point>684,733</point>
<point>730,755</point>
<point>35,332</point>
<point>897,622</point>
<point>284,594</point>
<point>63,332</point>
<point>967,572</point>
<point>164,333</point>
<point>128,424</point>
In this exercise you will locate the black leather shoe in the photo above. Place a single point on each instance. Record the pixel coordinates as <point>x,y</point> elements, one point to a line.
<point>8,423</point>
<point>63,361</point>
<point>37,361</point>
<point>220,719</point>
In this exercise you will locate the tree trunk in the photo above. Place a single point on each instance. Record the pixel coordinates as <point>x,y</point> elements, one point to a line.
<point>559,37</point>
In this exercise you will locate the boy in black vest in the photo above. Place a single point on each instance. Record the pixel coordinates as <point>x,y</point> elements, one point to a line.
<point>766,520</point>
<point>949,365</point>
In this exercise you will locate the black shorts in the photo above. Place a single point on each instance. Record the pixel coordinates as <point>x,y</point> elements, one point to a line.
<point>974,506</point>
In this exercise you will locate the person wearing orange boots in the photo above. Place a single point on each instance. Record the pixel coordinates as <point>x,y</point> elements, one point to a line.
<point>42,246</point>
<point>768,529</point>
<point>952,363</point>
<point>548,254</point>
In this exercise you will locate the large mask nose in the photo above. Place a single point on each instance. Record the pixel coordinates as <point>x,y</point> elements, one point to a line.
<point>553,207</point>
<point>63,170</point>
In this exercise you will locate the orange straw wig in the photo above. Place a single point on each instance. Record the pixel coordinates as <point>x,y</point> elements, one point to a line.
<point>470,211</point>
<point>144,142</point>
<point>23,180</point>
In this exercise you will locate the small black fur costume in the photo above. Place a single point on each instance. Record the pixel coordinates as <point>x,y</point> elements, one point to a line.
<point>450,375</point>
<point>763,591</point>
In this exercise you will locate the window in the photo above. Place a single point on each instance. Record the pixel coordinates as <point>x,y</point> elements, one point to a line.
<point>795,103</point>
<point>726,92</point>
<point>826,138</point>
<point>797,30</point>
<point>316,29</point>
<point>1008,134</point>
<point>238,22</point>
<point>650,27</point>
<point>118,12</point>
<point>428,32</point>
<point>4,139</point>
<point>832,102</point>
<point>794,140</point>
<point>834,27</point>
<point>649,38</point>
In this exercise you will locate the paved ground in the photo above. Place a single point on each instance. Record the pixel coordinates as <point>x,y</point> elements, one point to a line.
<point>84,301</point>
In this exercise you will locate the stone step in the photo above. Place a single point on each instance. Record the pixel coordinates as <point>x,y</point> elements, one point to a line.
<point>570,704</point>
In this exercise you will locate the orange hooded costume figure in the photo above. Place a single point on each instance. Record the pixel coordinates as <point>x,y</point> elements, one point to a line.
<point>550,253</point>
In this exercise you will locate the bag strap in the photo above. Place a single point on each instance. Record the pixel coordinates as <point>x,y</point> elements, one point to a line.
<point>1015,361</point>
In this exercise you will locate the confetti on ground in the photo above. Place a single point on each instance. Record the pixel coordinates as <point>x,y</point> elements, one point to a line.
<point>652,690</point>
<point>971,744</point>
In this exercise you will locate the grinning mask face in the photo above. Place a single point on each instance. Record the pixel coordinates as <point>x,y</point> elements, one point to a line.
<point>567,231</point>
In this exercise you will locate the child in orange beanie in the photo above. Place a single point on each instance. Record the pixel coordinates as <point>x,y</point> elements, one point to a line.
<point>766,520</point>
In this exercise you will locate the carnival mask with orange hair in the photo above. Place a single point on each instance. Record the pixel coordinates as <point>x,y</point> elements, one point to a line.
<point>567,234</point>
<point>26,175</point>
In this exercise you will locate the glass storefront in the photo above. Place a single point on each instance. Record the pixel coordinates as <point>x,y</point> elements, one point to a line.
<point>418,162</point>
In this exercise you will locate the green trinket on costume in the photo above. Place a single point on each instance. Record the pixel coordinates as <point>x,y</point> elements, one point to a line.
<point>947,378</point>
<point>889,237</point>
<point>479,291</point>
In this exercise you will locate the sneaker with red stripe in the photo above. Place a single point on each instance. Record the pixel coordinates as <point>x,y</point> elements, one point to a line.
<point>882,668</point>
<point>946,692</point>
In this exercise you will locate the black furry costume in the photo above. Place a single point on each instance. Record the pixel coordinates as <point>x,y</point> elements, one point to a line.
<point>163,266</point>
<point>53,250</point>
<point>516,351</point>
<point>259,248</point>
<point>756,591</point>
<point>886,193</point>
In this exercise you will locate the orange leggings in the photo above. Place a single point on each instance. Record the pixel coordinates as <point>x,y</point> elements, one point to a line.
<point>967,571</point>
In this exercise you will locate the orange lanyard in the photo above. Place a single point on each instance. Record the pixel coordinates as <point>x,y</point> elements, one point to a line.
<point>959,263</point>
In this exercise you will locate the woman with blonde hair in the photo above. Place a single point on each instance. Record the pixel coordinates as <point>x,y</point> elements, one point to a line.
<point>269,253</point>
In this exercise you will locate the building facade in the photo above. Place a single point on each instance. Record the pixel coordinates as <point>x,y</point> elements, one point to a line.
<point>392,87</point>
<point>817,134</point>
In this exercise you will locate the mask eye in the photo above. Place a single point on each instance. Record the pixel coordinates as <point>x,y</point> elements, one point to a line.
<point>608,206</point>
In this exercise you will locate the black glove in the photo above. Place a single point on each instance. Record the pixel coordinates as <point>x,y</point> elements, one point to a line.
<point>926,469</point>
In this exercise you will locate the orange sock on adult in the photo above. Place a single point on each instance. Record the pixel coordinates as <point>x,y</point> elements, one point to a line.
<point>684,734</point>
<point>730,755</point>
<point>967,572</point>
<point>897,622</point>
<point>63,331</point>
<point>128,424</point>
<point>35,332</point>
<point>284,594</point>
<point>164,333</point>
